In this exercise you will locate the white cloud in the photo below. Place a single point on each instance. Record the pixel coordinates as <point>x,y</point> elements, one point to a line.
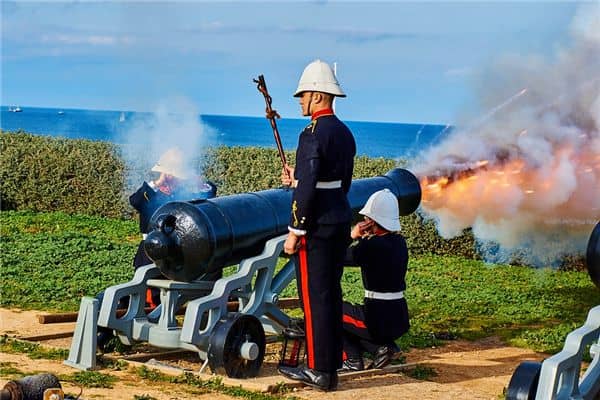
<point>458,72</point>
<point>94,40</point>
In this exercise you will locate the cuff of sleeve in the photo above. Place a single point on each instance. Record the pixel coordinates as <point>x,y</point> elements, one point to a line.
<point>152,185</point>
<point>297,232</point>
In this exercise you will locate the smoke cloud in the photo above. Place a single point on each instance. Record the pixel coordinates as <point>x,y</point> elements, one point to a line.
<point>525,175</point>
<point>174,123</point>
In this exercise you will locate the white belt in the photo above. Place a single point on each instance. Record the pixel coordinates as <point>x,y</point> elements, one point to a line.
<point>144,236</point>
<point>329,185</point>
<point>369,294</point>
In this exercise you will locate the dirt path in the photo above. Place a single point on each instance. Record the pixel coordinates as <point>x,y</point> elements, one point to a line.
<point>466,370</point>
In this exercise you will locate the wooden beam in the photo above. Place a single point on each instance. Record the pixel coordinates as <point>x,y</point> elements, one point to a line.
<point>160,355</point>
<point>48,336</point>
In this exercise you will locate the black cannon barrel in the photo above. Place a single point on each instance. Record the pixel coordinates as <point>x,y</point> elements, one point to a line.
<point>593,256</point>
<point>189,240</point>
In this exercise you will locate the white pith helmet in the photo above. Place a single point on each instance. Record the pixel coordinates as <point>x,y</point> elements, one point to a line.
<point>171,163</point>
<point>382,207</point>
<point>319,77</point>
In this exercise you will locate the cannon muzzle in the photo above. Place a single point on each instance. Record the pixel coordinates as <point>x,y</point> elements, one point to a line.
<point>189,240</point>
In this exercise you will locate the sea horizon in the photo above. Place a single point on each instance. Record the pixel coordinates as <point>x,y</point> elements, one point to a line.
<point>24,107</point>
<point>374,139</point>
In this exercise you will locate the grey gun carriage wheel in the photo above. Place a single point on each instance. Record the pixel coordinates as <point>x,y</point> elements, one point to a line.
<point>237,346</point>
<point>524,381</point>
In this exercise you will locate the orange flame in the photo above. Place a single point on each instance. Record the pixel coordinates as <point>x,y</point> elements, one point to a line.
<point>501,189</point>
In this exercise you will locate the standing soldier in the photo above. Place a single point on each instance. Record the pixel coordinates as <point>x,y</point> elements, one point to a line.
<point>320,222</point>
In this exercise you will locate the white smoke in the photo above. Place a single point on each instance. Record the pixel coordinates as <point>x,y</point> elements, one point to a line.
<point>526,174</point>
<point>174,123</point>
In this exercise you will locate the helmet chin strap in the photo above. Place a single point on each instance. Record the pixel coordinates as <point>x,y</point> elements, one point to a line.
<point>309,104</point>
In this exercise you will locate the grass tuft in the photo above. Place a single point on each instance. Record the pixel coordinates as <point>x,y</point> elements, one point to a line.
<point>91,379</point>
<point>7,370</point>
<point>213,385</point>
<point>33,350</point>
<point>421,373</point>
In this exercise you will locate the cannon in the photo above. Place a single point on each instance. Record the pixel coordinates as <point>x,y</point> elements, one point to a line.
<point>190,244</point>
<point>558,377</point>
<point>189,240</point>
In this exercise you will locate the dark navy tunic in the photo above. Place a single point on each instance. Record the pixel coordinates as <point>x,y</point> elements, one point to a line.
<point>383,261</point>
<point>325,153</point>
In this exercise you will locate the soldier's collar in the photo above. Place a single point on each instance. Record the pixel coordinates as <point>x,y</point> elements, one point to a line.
<point>321,113</point>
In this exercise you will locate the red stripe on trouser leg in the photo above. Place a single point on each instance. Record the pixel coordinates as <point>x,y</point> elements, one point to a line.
<point>149,299</point>
<point>303,260</point>
<point>356,322</point>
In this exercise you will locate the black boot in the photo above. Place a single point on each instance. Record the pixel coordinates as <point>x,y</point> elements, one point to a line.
<point>320,380</point>
<point>352,364</point>
<point>384,355</point>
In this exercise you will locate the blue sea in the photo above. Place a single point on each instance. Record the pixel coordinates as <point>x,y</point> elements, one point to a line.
<point>374,139</point>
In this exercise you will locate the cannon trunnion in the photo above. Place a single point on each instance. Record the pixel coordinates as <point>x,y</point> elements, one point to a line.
<point>189,240</point>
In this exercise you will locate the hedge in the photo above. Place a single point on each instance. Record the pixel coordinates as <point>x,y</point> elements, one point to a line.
<point>248,169</point>
<point>41,173</point>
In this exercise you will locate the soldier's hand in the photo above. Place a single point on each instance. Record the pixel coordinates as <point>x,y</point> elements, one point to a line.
<point>287,176</point>
<point>291,244</point>
<point>361,229</point>
<point>162,179</point>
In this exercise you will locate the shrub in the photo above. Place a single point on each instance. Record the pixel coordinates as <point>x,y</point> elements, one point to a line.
<point>248,169</point>
<point>41,173</point>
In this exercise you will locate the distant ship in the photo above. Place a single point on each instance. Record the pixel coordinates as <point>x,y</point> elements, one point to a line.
<point>122,117</point>
<point>15,109</point>
<point>61,112</point>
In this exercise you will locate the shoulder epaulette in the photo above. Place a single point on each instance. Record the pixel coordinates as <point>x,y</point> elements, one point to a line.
<point>311,126</point>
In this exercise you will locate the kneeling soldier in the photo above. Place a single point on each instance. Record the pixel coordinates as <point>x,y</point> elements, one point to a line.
<point>381,253</point>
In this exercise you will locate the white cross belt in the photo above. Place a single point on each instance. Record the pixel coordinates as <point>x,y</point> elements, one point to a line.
<point>329,185</point>
<point>369,294</point>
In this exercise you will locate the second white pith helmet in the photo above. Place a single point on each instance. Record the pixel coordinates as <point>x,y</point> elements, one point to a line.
<point>382,207</point>
<point>171,162</point>
<point>319,77</point>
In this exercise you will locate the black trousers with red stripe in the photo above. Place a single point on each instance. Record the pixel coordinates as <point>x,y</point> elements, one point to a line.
<point>319,268</point>
<point>357,338</point>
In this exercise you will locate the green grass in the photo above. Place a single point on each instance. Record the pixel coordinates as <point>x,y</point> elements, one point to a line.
<point>421,372</point>
<point>214,385</point>
<point>90,379</point>
<point>535,308</point>
<point>9,371</point>
<point>33,350</point>
<point>50,260</point>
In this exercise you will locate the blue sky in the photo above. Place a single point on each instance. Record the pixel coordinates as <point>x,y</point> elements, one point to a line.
<point>397,61</point>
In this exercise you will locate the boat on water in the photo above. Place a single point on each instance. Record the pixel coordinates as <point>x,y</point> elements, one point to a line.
<point>15,109</point>
<point>61,112</point>
<point>122,117</point>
